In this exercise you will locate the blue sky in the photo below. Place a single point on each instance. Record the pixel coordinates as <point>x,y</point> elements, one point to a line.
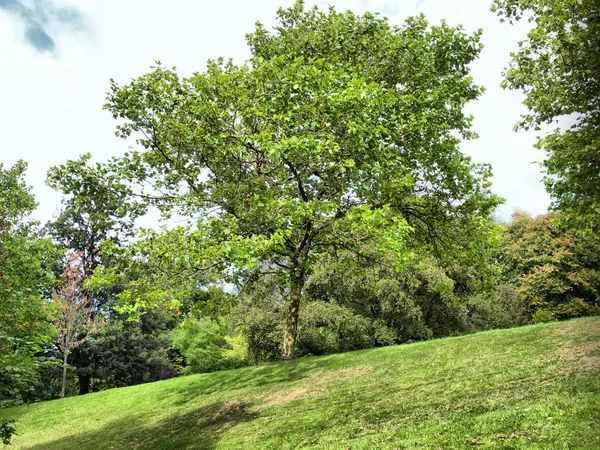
<point>58,56</point>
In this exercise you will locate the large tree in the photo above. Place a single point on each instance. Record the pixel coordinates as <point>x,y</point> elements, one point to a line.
<point>340,131</point>
<point>558,69</point>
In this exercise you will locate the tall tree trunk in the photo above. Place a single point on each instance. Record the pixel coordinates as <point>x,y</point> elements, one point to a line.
<point>64,376</point>
<point>84,384</point>
<point>291,328</point>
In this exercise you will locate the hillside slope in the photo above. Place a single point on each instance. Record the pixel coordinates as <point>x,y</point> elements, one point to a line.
<point>530,387</point>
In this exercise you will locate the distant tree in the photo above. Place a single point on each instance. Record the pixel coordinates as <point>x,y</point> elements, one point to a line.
<point>92,210</point>
<point>88,219</point>
<point>73,320</point>
<point>558,69</point>
<point>553,268</point>
<point>121,353</point>
<point>127,352</point>
<point>84,223</point>
<point>341,131</point>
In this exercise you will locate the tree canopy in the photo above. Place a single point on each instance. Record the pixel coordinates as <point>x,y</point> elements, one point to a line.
<point>340,131</point>
<point>554,269</point>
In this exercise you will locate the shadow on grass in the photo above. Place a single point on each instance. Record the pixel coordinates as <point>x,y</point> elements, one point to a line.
<point>199,429</point>
<point>203,427</point>
<point>265,377</point>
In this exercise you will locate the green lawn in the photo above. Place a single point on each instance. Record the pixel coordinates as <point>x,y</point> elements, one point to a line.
<point>530,387</point>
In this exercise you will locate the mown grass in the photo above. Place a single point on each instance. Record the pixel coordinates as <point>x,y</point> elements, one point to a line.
<point>531,387</point>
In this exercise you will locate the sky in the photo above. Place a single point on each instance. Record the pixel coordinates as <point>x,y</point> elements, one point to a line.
<point>57,57</point>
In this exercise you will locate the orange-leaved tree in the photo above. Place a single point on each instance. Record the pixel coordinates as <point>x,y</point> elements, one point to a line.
<point>555,269</point>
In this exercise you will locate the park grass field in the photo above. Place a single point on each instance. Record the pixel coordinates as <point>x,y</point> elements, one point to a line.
<point>533,387</point>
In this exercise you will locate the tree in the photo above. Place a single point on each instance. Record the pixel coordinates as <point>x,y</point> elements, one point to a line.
<point>340,131</point>
<point>350,304</point>
<point>89,218</point>
<point>73,314</point>
<point>125,353</point>
<point>558,68</point>
<point>25,276</point>
<point>428,299</point>
<point>553,268</point>
<point>83,225</point>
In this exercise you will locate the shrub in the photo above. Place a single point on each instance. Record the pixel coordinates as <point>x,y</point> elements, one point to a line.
<point>502,308</point>
<point>543,316</point>
<point>323,328</point>
<point>7,430</point>
<point>207,346</point>
<point>330,328</point>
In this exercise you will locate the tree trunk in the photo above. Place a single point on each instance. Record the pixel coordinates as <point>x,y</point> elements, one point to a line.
<point>64,376</point>
<point>84,384</point>
<point>291,328</point>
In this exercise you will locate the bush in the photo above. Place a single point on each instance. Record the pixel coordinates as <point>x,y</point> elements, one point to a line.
<point>543,316</point>
<point>207,346</point>
<point>502,308</point>
<point>7,430</point>
<point>330,328</point>
<point>323,328</point>
<point>263,332</point>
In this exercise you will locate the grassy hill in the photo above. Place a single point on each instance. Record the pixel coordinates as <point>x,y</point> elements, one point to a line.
<point>531,387</point>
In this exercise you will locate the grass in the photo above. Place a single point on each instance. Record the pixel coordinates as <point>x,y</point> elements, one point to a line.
<point>534,387</point>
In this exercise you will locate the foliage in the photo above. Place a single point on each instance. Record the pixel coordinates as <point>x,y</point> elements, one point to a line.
<point>552,266</point>
<point>125,353</point>
<point>26,263</point>
<point>260,318</point>
<point>84,231</point>
<point>503,307</point>
<point>326,327</point>
<point>87,220</point>
<point>558,69</point>
<point>48,383</point>
<point>208,346</point>
<point>357,305</point>
<point>340,131</point>
<point>95,208</point>
<point>332,328</point>
<point>543,316</point>
<point>122,353</point>
<point>425,300</point>
<point>7,430</point>
<point>523,388</point>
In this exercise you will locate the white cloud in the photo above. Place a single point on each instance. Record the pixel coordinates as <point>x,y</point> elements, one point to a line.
<point>43,20</point>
